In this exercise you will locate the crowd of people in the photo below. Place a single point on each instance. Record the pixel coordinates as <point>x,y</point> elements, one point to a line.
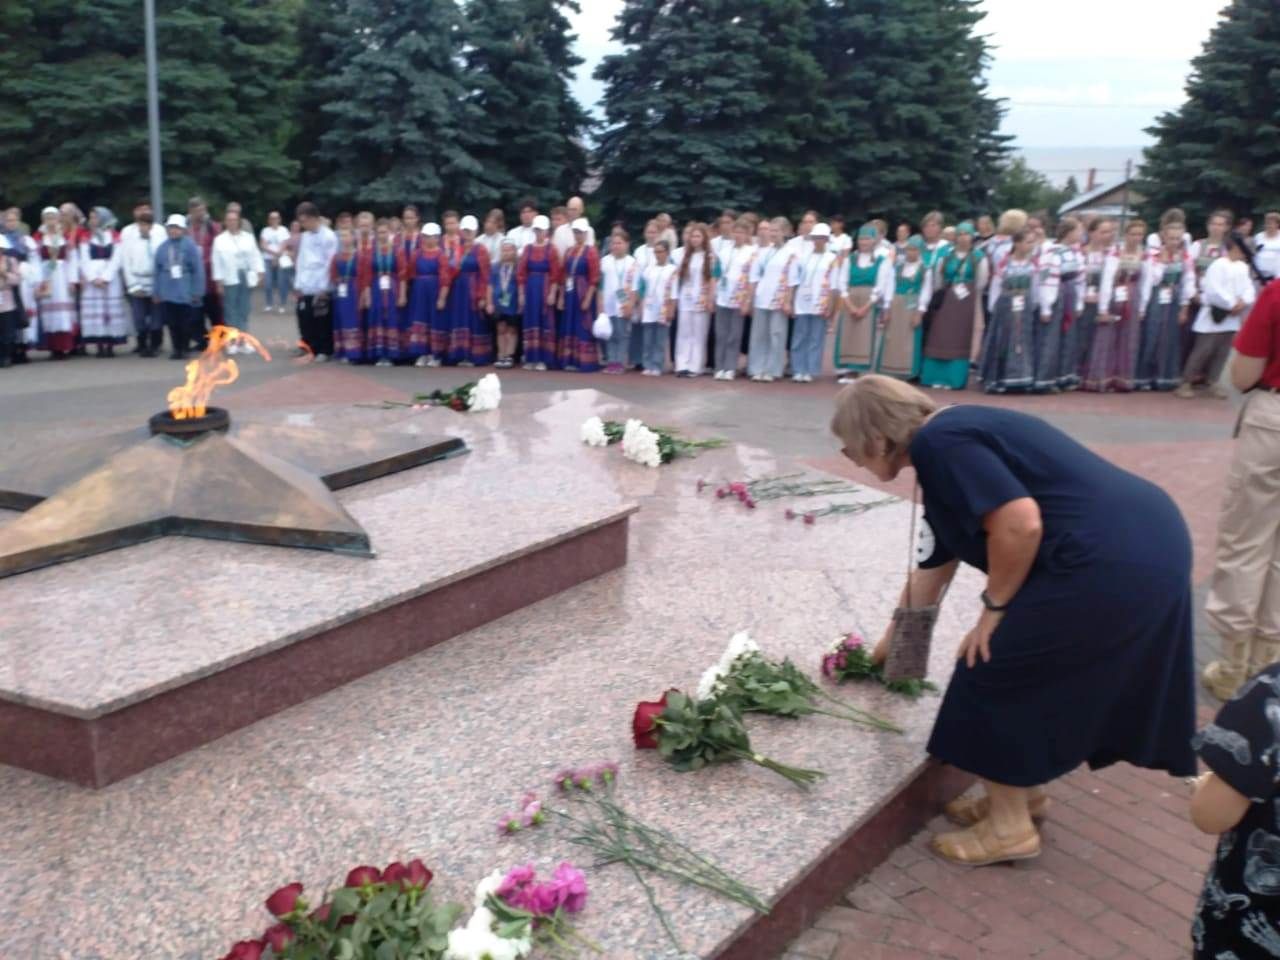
<point>1028,305</point>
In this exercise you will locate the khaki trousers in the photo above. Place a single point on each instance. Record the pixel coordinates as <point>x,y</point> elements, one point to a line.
<point>1244,593</point>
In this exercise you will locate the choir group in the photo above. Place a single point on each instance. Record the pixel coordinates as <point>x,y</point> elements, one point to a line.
<point>1088,306</point>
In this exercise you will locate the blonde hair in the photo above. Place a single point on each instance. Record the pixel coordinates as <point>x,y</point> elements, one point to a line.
<point>1011,221</point>
<point>878,407</point>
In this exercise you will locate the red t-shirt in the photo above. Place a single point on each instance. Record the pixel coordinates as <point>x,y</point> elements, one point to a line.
<point>1260,335</point>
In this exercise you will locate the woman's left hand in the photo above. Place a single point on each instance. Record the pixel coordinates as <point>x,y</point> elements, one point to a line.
<point>977,642</point>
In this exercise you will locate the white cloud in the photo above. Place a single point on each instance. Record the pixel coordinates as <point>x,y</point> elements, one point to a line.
<point>1085,71</point>
<point>1125,32</point>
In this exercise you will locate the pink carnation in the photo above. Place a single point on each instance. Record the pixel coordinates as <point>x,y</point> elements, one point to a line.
<point>532,813</point>
<point>516,878</point>
<point>571,886</point>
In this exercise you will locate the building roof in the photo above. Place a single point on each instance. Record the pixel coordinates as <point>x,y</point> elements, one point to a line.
<point>1100,197</point>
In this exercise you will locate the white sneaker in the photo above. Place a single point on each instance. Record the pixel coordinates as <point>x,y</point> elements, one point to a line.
<point>719,375</point>
<point>767,378</point>
<point>433,361</point>
<point>846,379</point>
<point>730,374</point>
<point>757,378</point>
<point>422,362</point>
<point>322,358</point>
<point>797,378</point>
<point>541,368</point>
<point>384,362</point>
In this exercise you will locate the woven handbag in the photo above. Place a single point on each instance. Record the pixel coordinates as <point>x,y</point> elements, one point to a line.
<point>912,635</point>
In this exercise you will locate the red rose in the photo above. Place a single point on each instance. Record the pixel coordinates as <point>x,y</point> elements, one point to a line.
<point>644,725</point>
<point>419,876</point>
<point>246,950</point>
<point>363,876</point>
<point>321,913</point>
<point>394,872</point>
<point>279,937</point>
<point>457,403</point>
<point>285,900</point>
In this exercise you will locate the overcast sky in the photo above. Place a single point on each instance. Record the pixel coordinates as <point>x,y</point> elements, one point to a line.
<point>1081,73</point>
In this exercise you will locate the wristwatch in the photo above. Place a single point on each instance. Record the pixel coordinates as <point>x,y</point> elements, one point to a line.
<point>992,605</point>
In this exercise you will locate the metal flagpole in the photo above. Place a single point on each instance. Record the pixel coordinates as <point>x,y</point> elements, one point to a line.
<point>153,111</point>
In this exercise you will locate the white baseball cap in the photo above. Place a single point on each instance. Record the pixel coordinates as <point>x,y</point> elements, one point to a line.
<point>820,230</point>
<point>540,222</point>
<point>431,230</point>
<point>581,224</point>
<point>469,223</point>
<point>176,220</point>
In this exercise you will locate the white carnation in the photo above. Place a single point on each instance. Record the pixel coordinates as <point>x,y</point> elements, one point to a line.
<point>629,434</point>
<point>489,885</point>
<point>487,393</point>
<point>741,644</point>
<point>643,447</point>
<point>709,682</point>
<point>592,432</point>
<point>477,940</point>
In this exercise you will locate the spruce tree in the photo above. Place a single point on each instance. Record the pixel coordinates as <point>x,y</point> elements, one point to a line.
<point>1219,148</point>
<point>529,126</point>
<point>400,127</point>
<point>906,79</point>
<point>690,124</point>
<point>75,124</point>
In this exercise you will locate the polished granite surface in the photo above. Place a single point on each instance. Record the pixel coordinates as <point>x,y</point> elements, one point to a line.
<point>420,758</point>
<point>151,631</point>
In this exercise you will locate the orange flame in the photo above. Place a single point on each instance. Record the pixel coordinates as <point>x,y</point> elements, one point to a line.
<point>211,370</point>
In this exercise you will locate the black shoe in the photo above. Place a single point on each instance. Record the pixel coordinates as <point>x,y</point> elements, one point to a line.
<point>5,362</point>
<point>140,350</point>
<point>177,356</point>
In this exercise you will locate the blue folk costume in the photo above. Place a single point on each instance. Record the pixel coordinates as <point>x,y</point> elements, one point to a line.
<point>1062,285</point>
<point>577,344</point>
<point>385,333</point>
<point>350,278</point>
<point>538,272</point>
<point>1008,361</point>
<point>429,274</point>
<point>1168,284</point>
<point>470,337</point>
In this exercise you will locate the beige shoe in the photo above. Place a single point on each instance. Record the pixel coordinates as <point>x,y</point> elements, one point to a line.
<point>1262,654</point>
<point>1222,679</point>
<point>1185,391</point>
<point>1219,392</point>
<point>967,810</point>
<point>982,845</point>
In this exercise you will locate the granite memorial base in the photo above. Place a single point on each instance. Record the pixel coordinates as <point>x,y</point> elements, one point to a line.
<point>422,758</point>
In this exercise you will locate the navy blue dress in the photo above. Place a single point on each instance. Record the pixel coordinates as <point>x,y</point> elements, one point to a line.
<point>1092,663</point>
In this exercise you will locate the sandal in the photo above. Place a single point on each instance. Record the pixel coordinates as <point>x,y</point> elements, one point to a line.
<point>967,810</point>
<point>981,846</point>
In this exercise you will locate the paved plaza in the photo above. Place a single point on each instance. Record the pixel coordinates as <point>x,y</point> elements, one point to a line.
<point>1121,864</point>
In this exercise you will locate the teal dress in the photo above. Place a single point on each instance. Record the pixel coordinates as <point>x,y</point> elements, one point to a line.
<point>898,354</point>
<point>947,349</point>
<point>856,339</point>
